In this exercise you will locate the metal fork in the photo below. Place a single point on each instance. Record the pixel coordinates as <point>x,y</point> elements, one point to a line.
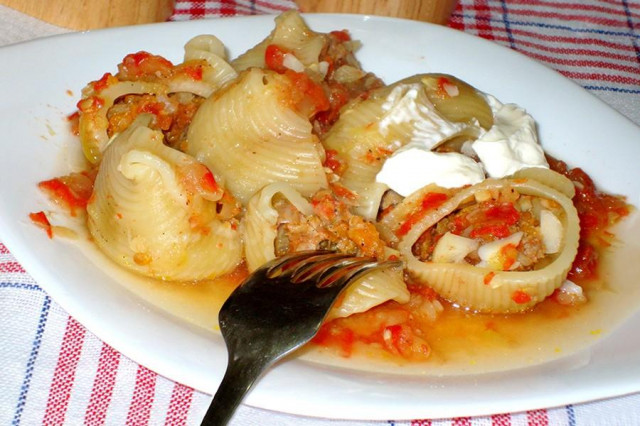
<point>279,308</point>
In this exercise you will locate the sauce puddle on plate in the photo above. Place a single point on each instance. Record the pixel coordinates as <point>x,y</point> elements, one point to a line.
<point>461,342</point>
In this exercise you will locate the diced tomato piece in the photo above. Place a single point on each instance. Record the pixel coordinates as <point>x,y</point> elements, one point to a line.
<point>494,230</point>
<point>40,219</point>
<point>334,162</point>
<point>194,72</point>
<point>333,335</point>
<point>342,35</point>
<point>431,200</point>
<point>504,212</point>
<point>140,64</point>
<point>104,82</point>
<point>72,191</point>
<point>487,278</point>
<point>209,182</point>
<point>521,297</point>
<point>309,97</point>
<point>274,58</point>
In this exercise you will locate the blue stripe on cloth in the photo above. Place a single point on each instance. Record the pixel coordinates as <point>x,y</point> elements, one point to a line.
<point>554,27</point>
<point>507,25</point>
<point>630,24</point>
<point>35,348</point>
<point>571,415</point>
<point>612,89</point>
<point>20,286</point>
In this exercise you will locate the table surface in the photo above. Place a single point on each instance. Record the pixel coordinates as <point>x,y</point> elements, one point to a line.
<point>57,372</point>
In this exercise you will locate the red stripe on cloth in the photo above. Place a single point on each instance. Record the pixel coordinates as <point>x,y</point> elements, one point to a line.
<point>559,16</point>
<point>11,267</point>
<point>3,249</point>
<point>589,41</point>
<point>421,422</point>
<point>179,405</point>
<point>103,386</point>
<point>483,15</point>
<point>269,5</point>
<point>560,40</point>
<point>456,20</point>
<point>227,7</point>
<point>501,420</point>
<point>212,12</point>
<point>196,9</point>
<point>562,49</point>
<point>616,8</point>
<point>143,396</point>
<point>574,62</point>
<point>64,373</point>
<point>461,421</point>
<point>600,78</point>
<point>537,418</point>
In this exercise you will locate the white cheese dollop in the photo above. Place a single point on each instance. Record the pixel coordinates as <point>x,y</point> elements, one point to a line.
<point>408,170</point>
<point>407,103</point>
<point>511,143</point>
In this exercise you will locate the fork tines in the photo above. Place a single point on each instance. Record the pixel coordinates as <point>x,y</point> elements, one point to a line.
<point>325,267</point>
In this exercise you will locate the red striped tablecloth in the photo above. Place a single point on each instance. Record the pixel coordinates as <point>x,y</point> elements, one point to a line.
<point>56,372</point>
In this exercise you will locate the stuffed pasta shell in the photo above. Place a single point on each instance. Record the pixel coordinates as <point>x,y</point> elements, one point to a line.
<point>502,245</point>
<point>257,132</point>
<point>147,83</point>
<point>279,220</point>
<point>160,213</point>
<point>407,113</point>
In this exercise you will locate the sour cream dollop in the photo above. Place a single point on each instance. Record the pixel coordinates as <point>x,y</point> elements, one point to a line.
<point>410,169</point>
<point>511,143</point>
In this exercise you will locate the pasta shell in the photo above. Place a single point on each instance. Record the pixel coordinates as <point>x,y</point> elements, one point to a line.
<point>371,290</point>
<point>143,216</point>
<point>291,33</point>
<point>211,49</point>
<point>456,100</point>
<point>369,131</point>
<point>250,134</point>
<point>480,288</point>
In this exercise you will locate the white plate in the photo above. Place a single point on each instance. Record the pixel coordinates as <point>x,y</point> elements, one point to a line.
<point>575,126</point>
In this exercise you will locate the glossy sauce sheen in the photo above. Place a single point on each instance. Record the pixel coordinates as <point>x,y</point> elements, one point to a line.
<point>461,342</point>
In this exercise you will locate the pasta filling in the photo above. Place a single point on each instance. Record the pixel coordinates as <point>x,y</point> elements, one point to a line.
<point>484,233</point>
<point>331,227</point>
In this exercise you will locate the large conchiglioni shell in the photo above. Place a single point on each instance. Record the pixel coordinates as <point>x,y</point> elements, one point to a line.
<point>261,222</point>
<point>291,33</point>
<point>483,289</point>
<point>143,218</point>
<point>249,135</point>
<point>370,130</point>
<point>211,49</point>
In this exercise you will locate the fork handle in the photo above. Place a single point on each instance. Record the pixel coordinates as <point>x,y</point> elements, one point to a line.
<point>239,377</point>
